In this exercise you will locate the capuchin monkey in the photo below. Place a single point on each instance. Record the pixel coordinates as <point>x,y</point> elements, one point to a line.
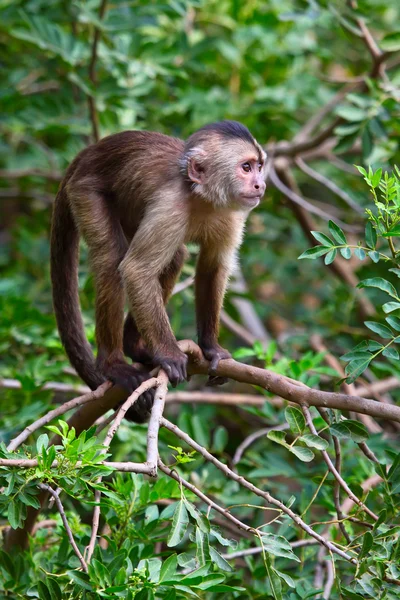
<point>136,198</point>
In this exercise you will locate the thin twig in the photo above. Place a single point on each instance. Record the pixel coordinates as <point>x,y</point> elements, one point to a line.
<point>301,201</point>
<point>332,468</point>
<point>146,385</point>
<point>223,511</point>
<point>253,437</point>
<point>55,495</point>
<point>57,412</point>
<point>336,489</point>
<point>259,549</point>
<point>255,490</point>
<point>335,189</point>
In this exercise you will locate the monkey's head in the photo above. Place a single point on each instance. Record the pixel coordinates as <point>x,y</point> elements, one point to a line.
<point>225,165</point>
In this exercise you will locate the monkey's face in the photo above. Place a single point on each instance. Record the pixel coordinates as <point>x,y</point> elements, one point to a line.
<point>248,185</point>
<point>229,173</point>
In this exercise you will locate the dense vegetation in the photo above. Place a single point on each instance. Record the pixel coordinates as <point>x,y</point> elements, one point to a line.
<point>317,83</point>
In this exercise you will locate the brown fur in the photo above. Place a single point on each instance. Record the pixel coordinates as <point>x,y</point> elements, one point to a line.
<point>137,198</point>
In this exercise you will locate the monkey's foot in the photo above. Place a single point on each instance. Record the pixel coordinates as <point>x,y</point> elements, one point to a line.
<point>175,367</point>
<point>130,378</point>
<point>214,354</point>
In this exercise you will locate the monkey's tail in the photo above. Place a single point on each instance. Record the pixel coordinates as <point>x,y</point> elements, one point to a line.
<point>64,262</point>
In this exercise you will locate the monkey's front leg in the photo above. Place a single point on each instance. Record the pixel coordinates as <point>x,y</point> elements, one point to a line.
<point>210,287</point>
<point>147,305</point>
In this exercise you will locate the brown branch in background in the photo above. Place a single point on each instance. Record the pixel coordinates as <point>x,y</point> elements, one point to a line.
<point>92,75</point>
<point>335,189</point>
<point>255,490</point>
<point>318,345</point>
<point>55,495</point>
<point>295,197</point>
<point>332,468</point>
<point>253,437</point>
<point>57,412</point>
<point>339,267</point>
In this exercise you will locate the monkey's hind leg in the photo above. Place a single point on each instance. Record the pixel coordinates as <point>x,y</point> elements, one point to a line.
<point>107,246</point>
<point>134,345</point>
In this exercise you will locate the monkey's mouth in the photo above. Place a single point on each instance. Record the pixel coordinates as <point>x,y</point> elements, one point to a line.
<point>251,200</point>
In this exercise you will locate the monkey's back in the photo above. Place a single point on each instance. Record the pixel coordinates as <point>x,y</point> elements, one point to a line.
<point>126,169</point>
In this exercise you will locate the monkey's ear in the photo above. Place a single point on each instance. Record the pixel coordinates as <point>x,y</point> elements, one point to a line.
<point>195,167</point>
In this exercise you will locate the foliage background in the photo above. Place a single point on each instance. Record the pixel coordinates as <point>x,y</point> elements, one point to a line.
<point>173,67</point>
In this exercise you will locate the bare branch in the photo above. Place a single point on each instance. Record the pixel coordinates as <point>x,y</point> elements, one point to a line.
<point>55,495</point>
<point>335,189</point>
<point>248,485</point>
<point>332,468</point>
<point>57,412</point>
<point>146,385</point>
<point>294,197</point>
<point>253,437</point>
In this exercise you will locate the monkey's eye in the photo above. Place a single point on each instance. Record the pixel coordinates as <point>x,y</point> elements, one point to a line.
<point>260,167</point>
<point>246,167</point>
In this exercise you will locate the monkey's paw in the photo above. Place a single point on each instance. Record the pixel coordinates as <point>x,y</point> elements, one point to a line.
<point>175,367</point>
<point>214,354</point>
<point>129,378</point>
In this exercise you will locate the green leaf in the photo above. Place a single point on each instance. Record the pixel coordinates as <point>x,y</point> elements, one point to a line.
<point>314,441</point>
<point>330,257</point>
<point>337,233</point>
<point>349,429</point>
<point>361,170</point>
<point>315,252</point>
<point>286,578</point>
<point>391,353</point>
<point>220,439</point>
<point>376,178</point>
<point>395,271</point>
<point>295,418</point>
<point>380,329</point>
<point>390,307</point>
<point>380,283</point>
<point>374,256</point>
<point>355,368</point>
<point>346,253</point>
<point>43,592</point>
<point>394,322</point>
<point>370,235</point>
<point>277,436</point>
<point>274,579</point>
<point>277,545</point>
<point>356,355</point>
<point>391,42</point>
<point>322,238</point>
<point>202,547</point>
<point>220,560</point>
<point>304,454</point>
<point>367,544</point>
<point>351,113</point>
<point>180,522</point>
<point>394,231</point>
<point>82,579</point>
<point>359,253</point>
<point>42,442</point>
